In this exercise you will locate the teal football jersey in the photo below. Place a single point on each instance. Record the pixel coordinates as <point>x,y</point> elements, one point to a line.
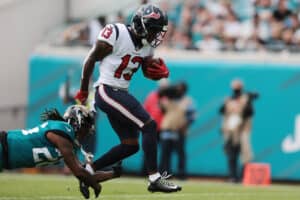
<point>30,148</point>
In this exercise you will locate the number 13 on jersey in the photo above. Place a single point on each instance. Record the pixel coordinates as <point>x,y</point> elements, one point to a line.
<point>125,61</point>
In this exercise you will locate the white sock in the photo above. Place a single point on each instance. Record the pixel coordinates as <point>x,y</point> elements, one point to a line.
<point>154,177</point>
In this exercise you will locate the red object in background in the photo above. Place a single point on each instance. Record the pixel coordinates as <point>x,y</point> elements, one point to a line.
<point>151,105</point>
<point>257,174</point>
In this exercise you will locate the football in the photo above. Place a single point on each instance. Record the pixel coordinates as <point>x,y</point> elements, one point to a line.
<point>148,61</point>
<point>154,68</point>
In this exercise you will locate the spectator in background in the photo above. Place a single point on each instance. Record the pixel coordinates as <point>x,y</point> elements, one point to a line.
<point>178,115</point>
<point>282,11</point>
<point>93,29</point>
<point>237,112</point>
<point>216,25</point>
<point>208,43</point>
<point>84,33</point>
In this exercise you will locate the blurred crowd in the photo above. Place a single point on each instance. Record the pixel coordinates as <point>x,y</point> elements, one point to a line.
<point>222,25</point>
<point>215,25</point>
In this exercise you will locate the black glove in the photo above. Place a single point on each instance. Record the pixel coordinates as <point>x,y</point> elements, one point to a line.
<point>97,189</point>
<point>84,190</point>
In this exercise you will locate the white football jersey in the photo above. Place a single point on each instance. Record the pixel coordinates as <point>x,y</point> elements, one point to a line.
<point>117,68</point>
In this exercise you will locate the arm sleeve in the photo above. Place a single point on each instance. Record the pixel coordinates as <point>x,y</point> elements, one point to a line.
<point>63,129</point>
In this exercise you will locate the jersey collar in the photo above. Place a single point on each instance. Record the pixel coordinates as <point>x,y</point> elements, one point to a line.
<point>136,42</point>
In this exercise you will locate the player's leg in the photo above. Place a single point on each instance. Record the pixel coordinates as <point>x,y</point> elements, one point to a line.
<point>232,154</point>
<point>166,148</point>
<point>115,103</point>
<point>180,147</point>
<point>127,146</point>
<point>102,176</point>
<point>128,110</point>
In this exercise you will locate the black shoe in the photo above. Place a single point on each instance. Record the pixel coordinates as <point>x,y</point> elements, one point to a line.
<point>162,185</point>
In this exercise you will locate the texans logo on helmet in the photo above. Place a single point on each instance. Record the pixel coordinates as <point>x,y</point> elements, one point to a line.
<point>153,15</point>
<point>150,13</point>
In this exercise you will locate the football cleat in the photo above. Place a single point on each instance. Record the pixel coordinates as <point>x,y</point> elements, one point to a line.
<point>163,185</point>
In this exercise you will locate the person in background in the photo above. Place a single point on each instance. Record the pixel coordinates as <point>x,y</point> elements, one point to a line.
<point>84,33</point>
<point>237,111</point>
<point>179,113</point>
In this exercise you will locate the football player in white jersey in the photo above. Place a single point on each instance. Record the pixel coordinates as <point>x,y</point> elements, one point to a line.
<point>122,50</point>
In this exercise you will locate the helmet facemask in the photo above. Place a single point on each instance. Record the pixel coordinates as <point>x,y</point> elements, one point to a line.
<point>155,38</point>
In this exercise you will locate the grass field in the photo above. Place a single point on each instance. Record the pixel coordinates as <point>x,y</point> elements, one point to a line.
<point>55,187</point>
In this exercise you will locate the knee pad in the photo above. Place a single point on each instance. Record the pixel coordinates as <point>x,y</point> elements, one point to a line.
<point>149,127</point>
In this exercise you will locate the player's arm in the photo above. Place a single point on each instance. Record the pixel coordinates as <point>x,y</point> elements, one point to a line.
<point>66,149</point>
<point>99,51</point>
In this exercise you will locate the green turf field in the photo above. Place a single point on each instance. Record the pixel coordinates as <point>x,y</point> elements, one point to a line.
<point>50,187</point>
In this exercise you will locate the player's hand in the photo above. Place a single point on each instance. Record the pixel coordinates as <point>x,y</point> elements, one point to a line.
<point>164,71</point>
<point>97,189</point>
<point>81,96</point>
<point>155,69</point>
<point>84,190</point>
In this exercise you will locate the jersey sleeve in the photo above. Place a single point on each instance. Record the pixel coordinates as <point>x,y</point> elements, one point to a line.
<point>108,34</point>
<point>62,128</point>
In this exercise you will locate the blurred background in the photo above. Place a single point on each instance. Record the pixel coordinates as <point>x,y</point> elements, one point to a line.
<point>209,43</point>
